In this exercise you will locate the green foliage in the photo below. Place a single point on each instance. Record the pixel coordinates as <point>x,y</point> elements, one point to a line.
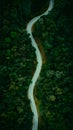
<point>17,63</point>
<point>13,34</point>
<point>7,40</point>
<point>54,88</point>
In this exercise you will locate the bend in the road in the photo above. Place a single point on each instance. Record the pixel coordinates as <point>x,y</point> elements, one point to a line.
<point>38,67</point>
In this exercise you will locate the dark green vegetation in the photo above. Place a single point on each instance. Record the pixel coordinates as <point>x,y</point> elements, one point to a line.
<point>17,62</point>
<point>15,76</point>
<point>54,90</point>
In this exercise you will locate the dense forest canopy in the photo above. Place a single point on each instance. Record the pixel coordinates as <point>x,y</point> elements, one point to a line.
<point>17,58</point>
<point>54,89</point>
<point>55,86</point>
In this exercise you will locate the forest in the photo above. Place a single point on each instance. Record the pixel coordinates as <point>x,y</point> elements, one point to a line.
<point>54,88</point>
<point>17,63</point>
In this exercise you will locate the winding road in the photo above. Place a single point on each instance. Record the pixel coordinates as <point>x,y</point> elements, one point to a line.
<point>38,67</point>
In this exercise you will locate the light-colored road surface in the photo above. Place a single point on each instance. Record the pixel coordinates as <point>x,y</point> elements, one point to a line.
<point>38,67</point>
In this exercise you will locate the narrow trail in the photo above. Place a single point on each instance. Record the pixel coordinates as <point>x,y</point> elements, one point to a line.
<point>38,67</point>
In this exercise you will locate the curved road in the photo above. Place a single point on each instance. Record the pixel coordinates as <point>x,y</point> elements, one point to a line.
<point>38,67</point>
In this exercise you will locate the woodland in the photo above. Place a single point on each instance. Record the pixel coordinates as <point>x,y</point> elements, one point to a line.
<point>54,88</point>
